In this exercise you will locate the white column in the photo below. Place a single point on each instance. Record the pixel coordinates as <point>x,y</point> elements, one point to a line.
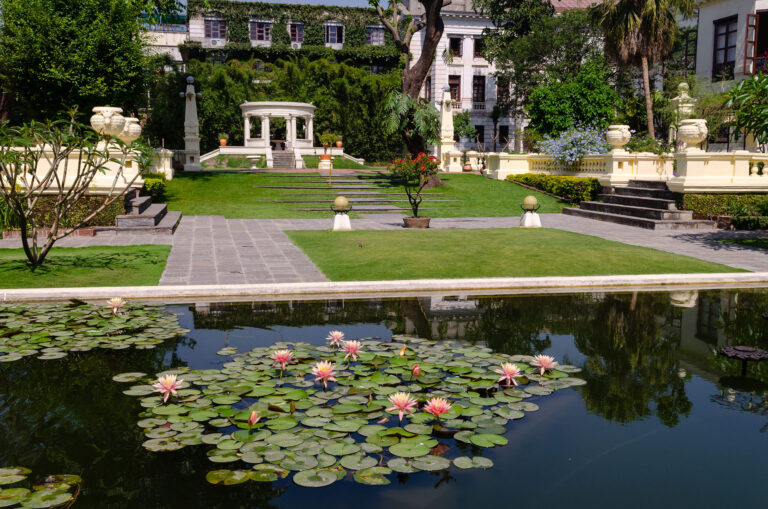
<point>246,130</point>
<point>265,130</point>
<point>310,134</point>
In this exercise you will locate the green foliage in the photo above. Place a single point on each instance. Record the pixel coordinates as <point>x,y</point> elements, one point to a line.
<point>355,36</point>
<point>586,99</point>
<point>645,143</point>
<point>339,163</point>
<point>462,125</point>
<point>155,185</point>
<point>750,222</point>
<point>8,218</point>
<point>280,35</point>
<point>711,205</point>
<point>56,55</point>
<point>237,27</point>
<point>44,212</point>
<point>749,100</point>
<point>416,119</point>
<point>313,34</point>
<point>415,174</point>
<point>572,189</point>
<point>327,139</point>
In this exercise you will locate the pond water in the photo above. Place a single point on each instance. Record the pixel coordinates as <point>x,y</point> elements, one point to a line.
<point>660,421</point>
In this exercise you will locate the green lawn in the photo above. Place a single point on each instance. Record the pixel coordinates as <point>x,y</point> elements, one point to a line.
<point>234,195</point>
<point>86,266</point>
<point>758,243</point>
<point>513,252</point>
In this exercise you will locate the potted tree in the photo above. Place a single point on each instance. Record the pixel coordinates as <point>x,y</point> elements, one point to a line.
<point>415,174</point>
<point>223,137</point>
<point>327,139</point>
<point>463,128</point>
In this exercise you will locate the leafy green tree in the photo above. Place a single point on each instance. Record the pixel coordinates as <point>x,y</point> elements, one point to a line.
<point>462,125</point>
<point>749,101</point>
<point>416,119</point>
<point>55,54</point>
<point>588,99</point>
<point>641,32</point>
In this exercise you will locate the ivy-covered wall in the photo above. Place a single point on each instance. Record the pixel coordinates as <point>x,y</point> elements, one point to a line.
<point>238,14</point>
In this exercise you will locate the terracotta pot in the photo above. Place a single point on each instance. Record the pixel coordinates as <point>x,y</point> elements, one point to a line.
<point>325,157</point>
<point>467,167</point>
<point>223,142</point>
<point>338,144</point>
<point>416,222</point>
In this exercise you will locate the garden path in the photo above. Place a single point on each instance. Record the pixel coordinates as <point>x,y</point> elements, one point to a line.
<point>216,250</point>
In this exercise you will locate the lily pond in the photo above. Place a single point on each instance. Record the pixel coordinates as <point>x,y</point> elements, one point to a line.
<point>589,400</point>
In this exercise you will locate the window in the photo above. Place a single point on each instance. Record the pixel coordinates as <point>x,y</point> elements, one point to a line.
<point>504,135</point>
<point>215,29</point>
<point>297,32</point>
<point>454,43</point>
<point>374,36</point>
<point>480,133</point>
<point>334,34</point>
<point>689,49</point>
<point>428,89</point>
<point>479,47</point>
<point>478,89</point>
<point>725,48</point>
<point>261,31</point>
<point>377,69</point>
<point>454,82</point>
<point>502,94</point>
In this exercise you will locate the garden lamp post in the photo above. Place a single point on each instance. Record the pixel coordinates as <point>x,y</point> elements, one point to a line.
<point>530,218</point>
<point>341,208</point>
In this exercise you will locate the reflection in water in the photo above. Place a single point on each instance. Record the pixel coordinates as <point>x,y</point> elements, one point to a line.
<point>640,354</point>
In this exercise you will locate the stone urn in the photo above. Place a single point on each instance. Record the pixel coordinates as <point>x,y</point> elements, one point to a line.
<point>131,130</point>
<point>107,120</point>
<point>416,222</point>
<point>692,132</point>
<point>617,136</point>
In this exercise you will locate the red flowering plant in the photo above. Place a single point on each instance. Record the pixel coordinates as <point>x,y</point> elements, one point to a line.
<point>414,174</point>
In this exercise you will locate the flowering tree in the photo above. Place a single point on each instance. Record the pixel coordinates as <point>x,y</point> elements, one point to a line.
<point>569,147</point>
<point>54,163</point>
<point>749,100</point>
<point>415,174</point>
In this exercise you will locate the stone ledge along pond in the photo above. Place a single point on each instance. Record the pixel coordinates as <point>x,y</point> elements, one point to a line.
<point>637,412</point>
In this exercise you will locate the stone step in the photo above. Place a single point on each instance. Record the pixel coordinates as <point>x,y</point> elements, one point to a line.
<point>638,201</point>
<point>642,212</point>
<point>642,192</point>
<point>354,193</point>
<point>649,224</point>
<point>357,200</point>
<point>298,188</point>
<point>649,184</point>
<point>166,226</point>
<point>138,205</point>
<point>377,208</point>
<point>151,216</point>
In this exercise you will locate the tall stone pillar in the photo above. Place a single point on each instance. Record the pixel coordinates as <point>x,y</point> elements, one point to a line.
<point>191,128</point>
<point>447,143</point>
<point>265,130</point>
<point>310,132</point>
<point>246,130</point>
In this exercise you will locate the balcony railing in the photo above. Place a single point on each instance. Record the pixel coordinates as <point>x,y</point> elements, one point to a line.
<point>165,27</point>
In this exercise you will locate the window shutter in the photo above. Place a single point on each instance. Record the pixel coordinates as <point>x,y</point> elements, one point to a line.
<point>750,46</point>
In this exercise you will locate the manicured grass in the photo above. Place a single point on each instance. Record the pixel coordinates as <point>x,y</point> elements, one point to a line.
<point>757,243</point>
<point>140,265</point>
<point>481,197</point>
<point>234,195</point>
<point>339,163</point>
<point>512,252</point>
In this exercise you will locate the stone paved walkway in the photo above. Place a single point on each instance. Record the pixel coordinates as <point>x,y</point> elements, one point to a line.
<point>216,250</point>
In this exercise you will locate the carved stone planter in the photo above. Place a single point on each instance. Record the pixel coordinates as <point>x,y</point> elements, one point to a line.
<point>692,132</point>
<point>618,136</point>
<point>416,222</point>
<point>107,120</point>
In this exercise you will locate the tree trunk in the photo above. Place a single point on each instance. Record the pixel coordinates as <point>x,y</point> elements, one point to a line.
<point>648,100</point>
<point>414,76</point>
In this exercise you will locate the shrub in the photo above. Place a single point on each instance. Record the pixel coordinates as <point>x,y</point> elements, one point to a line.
<point>154,186</point>
<point>415,174</point>
<point>8,219</point>
<point>711,205</point>
<point>750,222</point>
<point>568,148</point>
<point>571,189</point>
<point>44,212</point>
<point>645,143</point>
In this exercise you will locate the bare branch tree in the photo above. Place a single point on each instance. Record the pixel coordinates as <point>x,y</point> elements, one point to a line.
<point>54,164</point>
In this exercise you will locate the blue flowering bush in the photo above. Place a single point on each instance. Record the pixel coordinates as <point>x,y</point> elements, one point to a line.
<point>569,147</point>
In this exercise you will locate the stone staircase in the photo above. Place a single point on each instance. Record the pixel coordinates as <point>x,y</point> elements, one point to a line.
<point>644,204</point>
<point>282,159</point>
<point>142,217</point>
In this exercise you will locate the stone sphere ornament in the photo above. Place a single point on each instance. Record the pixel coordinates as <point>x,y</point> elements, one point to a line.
<point>530,203</point>
<point>340,204</point>
<point>618,136</point>
<point>131,131</point>
<point>107,120</point>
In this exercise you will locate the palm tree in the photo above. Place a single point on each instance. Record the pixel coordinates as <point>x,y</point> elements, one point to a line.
<point>641,31</point>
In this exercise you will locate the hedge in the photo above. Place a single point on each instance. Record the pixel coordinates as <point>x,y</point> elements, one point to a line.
<point>711,205</point>
<point>750,222</point>
<point>154,185</point>
<point>43,215</point>
<point>572,189</point>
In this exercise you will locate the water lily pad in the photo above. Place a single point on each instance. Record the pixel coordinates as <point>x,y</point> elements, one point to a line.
<point>488,440</point>
<point>465,462</point>
<point>298,463</point>
<point>45,498</point>
<point>266,472</point>
<point>407,450</point>
<point>402,465</point>
<point>314,478</point>
<point>373,476</point>
<point>358,462</point>
<point>129,377</point>
<point>430,462</point>
<point>341,449</point>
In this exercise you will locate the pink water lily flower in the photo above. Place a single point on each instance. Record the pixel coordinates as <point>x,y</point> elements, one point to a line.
<point>545,362</point>
<point>335,337</point>
<point>416,370</point>
<point>352,347</point>
<point>437,407</point>
<point>324,371</point>
<point>167,385</point>
<point>281,358</point>
<point>254,418</point>
<point>403,402</point>
<point>508,372</point>
<point>116,303</point>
